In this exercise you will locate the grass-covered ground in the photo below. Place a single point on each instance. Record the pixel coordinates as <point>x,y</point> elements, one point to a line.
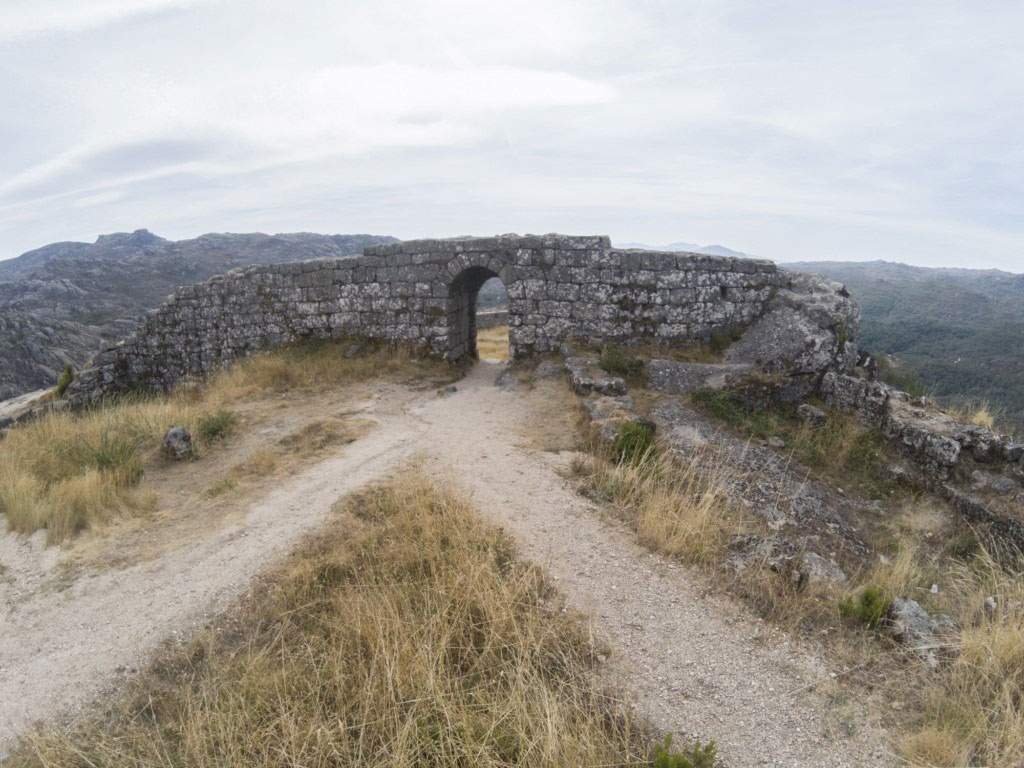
<point>969,711</point>
<point>66,472</point>
<point>406,634</point>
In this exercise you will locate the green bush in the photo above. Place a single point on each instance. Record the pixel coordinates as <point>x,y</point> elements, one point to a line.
<point>721,340</point>
<point>697,756</point>
<point>615,361</point>
<point>633,442</point>
<point>64,381</point>
<point>722,404</point>
<point>867,607</point>
<point>216,425</point>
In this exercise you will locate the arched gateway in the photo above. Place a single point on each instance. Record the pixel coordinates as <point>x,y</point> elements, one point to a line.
<point>423,292</point>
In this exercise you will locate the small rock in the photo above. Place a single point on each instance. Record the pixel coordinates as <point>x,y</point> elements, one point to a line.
<point>811,415</point>
<point>776,442</point>
<point>991,606</point>
<point>909,623</point>
<point>935,589</point>
<point>451,389</point>
<point>1014,452</point>
<point>177,444</point>
<point>815,569</point>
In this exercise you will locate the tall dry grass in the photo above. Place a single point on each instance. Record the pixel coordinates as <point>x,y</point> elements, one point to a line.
<point>409,637</point>
<point>677,508</point>
<point>968,712</point>
<point>979,413</point>
<point>66,472</point>
<point>974,706</point>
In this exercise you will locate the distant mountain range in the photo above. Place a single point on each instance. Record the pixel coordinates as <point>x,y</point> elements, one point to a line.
<point>60,303</point>
<point>960,331</point>
<point>710,250</point>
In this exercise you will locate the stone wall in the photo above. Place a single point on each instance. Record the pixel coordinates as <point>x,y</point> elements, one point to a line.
<point>938,444</point>
<point>423,293</point>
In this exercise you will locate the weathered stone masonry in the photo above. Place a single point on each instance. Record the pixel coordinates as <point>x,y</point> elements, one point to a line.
<point>423,292</point>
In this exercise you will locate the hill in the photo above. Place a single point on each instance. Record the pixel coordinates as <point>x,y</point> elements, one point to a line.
<point>60,303</point>
<point>961,331</point>
<point>709,250</point>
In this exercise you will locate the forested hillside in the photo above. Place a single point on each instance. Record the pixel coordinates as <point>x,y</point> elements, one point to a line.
<point>961,331</point>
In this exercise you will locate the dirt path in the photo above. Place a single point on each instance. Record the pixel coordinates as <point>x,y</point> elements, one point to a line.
<point>695,664</point>
<point>64,645</point>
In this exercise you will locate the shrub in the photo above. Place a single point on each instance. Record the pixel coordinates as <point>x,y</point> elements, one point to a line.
<point>721,340</point>
<point>216,425</point>
<point>721,404</point>
<point>697,756</point>
<point>633,443</point>
<point>868,606</point>
<point>64,381</point>
<point>615,361</point>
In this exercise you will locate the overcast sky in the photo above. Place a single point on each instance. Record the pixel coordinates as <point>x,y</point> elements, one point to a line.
<point>790,130</point>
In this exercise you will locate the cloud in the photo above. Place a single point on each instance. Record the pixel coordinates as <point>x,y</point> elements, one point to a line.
<point>786,130</point>
<point>29,18</point>
<point>259,122</point>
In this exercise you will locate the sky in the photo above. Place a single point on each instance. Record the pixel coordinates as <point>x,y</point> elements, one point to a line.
<point>790,130</point>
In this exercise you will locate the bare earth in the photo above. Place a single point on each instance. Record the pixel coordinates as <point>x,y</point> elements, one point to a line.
<point>695,664</point>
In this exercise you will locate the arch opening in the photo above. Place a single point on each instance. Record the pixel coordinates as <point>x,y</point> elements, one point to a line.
<point>478,316</point>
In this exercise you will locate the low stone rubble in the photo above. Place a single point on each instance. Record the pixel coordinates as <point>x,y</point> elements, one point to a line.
<point>585,377</point>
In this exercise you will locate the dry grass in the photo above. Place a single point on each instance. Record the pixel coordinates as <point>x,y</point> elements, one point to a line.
<point>974,707</point>
<point>68,472</point>
<point>970,712</point>
<point>492,344</point>
<point>410,636</point>
<point>980,414</point>
<point>677,509</point>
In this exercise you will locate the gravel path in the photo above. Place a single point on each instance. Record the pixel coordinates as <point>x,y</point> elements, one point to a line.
<point>694,664</point>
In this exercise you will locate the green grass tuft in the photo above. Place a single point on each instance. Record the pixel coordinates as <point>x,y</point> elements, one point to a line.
<point>868,606</point>
<point>616,361</point>
<point>697,756</point>
<point>216,425</point>
<point>633,443</point>
<point>64,381</point>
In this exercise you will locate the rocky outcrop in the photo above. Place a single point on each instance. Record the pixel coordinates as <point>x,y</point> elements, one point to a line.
<point>809,327</point>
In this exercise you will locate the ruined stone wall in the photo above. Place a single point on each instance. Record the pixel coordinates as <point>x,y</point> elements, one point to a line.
<point>934,440</point>
<point>423,292</point>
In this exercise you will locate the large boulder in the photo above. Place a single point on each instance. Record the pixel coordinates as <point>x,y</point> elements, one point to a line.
<point>808,328</point>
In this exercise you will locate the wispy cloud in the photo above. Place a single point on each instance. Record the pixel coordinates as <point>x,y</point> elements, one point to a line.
<point>877,130</point>
<point>29,18</point>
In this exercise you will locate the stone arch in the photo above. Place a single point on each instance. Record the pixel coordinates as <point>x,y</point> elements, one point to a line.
<point>462,300</point>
